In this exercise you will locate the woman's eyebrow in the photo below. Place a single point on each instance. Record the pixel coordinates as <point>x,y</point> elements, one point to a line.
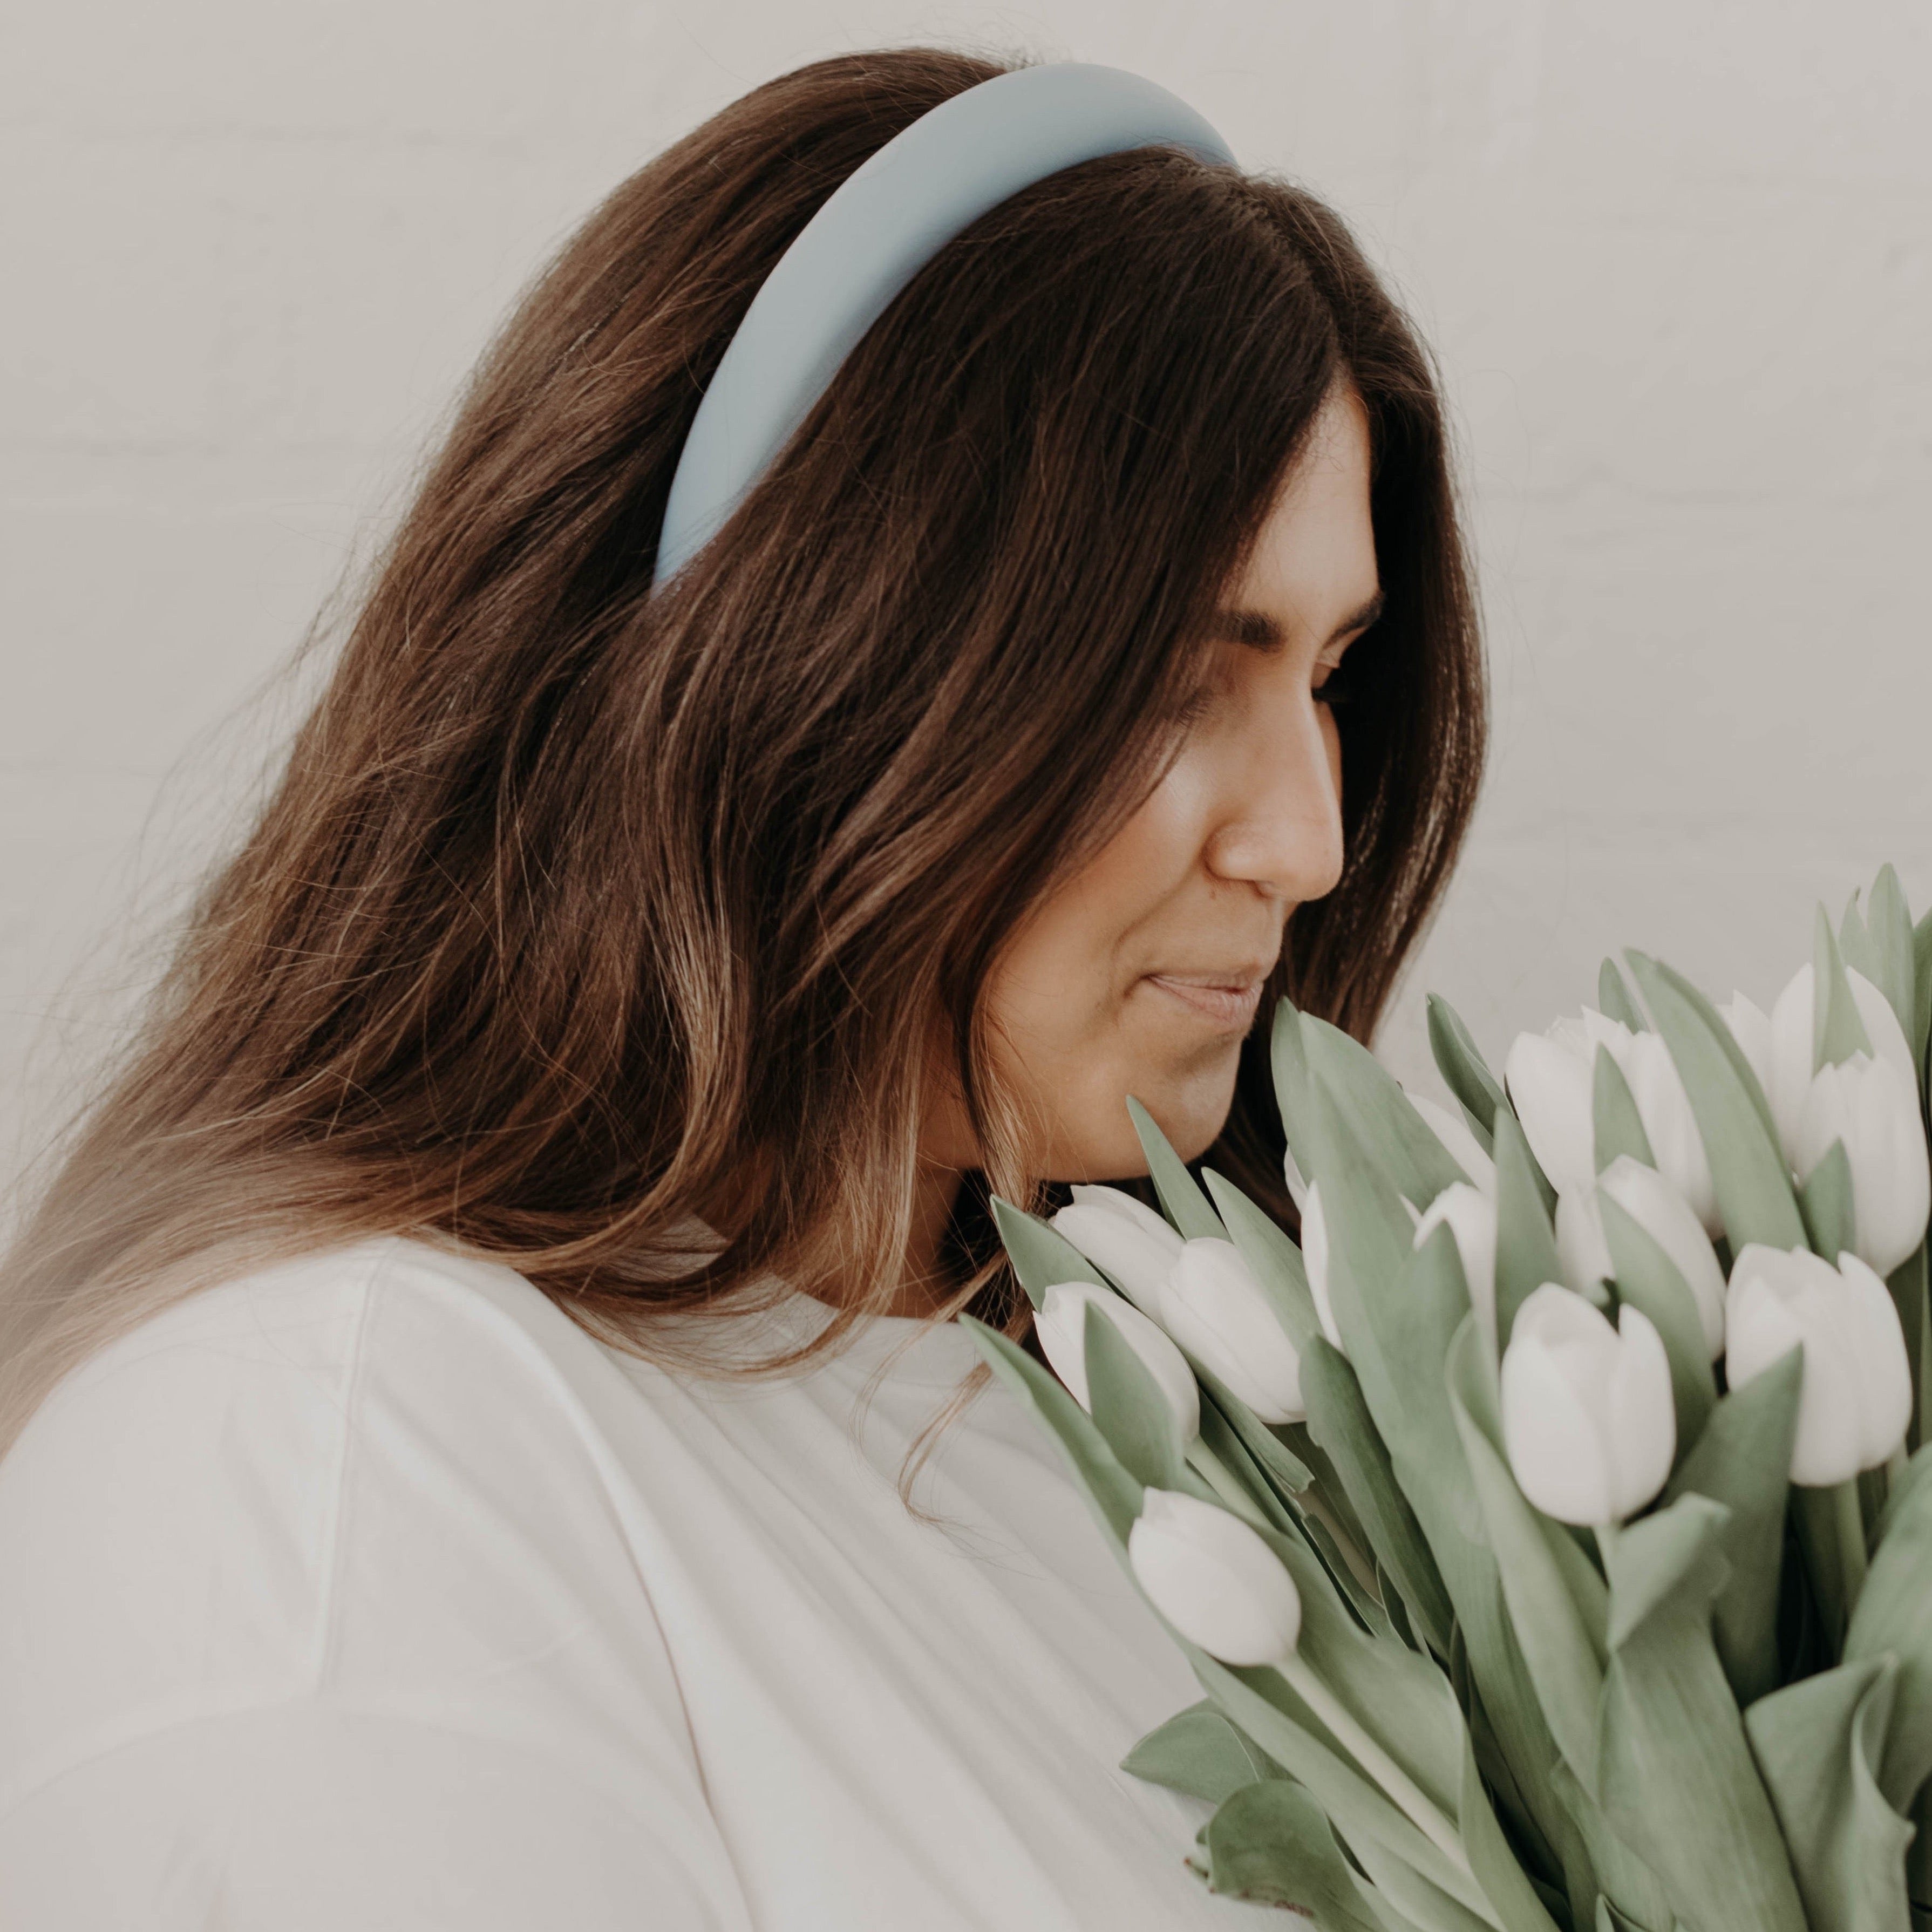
<point>1264,633</point>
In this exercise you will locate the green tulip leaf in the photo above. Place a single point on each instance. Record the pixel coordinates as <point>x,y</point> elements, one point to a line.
<point>1401,1144</point>
<point>1288,1059</point>
<point>1262,1702</point>
<point>1268,1504</point>
<point>1498,1869</point>
<point>1129,1410</point>
<point>1742,1460</point>
<point>1111,1491</point>
<point>1181,1196</point>
<point>1675,1773</point>
<point>1921,993</point>
<point>1649,1280</point>
<point>1275,1260</point>
<point>1618,1125</point>
<point>1400,1698</point>
<point>1891,1616</point>
<point>1877,942</point>
<point>1816,1743</point>
<point>1747,1170</point>
<point>1635,1893</point>
<point>1339,1421</point>
<point>1837,1031</point>
<point>1825,1200</point>
<point>1198,1751</point>
<point>1526,1254</point>
<point>1042,1257</point>
<point>1411,1900</point>
<point>1908,1284</point>
<point>1463,1067</point>
<point>1564,1665</point>
<point>1370,1235</point>
<point>1270,1844</point>
<point>1614,1000</point>
<point>1287,1473</point>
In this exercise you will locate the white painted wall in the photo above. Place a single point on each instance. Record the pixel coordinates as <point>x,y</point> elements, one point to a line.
<point>1675,256</point>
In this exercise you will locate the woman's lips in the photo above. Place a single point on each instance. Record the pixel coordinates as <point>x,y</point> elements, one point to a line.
<point>1227,1001</point>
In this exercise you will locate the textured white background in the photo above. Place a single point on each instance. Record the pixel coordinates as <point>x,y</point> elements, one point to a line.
<point>1676,257</point>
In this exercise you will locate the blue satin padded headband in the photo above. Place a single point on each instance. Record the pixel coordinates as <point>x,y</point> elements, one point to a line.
<point>880,226</point>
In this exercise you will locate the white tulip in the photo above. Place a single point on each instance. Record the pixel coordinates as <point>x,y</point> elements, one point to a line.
<point>1664,1215</point>
<point>1588,1418</point>
<point>1750,1027</point>
<point>1873,1109</point>
<point>1786,1069</point>
<point>1214,1579</point>
<point>1670,1125</point>
<point>1454,1131</point>
<point>1126,1237</point>
<point>1315,1263</point>
<point>1855,1400</point>
<point>1548,1077</point>
<point>1061,1322</point>
<point>1582,1248</point>
<point>1552,1081</point>
<point>1213,1306</point>
<point>1471,1216</point>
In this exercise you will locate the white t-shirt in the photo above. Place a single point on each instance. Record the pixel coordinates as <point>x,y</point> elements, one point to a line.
<point>370,1593</point>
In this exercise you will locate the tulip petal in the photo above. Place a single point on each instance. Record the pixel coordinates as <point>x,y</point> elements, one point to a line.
<point>1877,1342</point>
<point>1665,1216</point>
<point>1550,1086</point>
<point>1134,1246</point>
<point>1554,1449</point>
<point>1643,1416</point>
<point>1214,1579</point>
<point>1059,1321</point>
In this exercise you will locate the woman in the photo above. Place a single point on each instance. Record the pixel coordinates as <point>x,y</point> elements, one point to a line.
<point>463,1375</point>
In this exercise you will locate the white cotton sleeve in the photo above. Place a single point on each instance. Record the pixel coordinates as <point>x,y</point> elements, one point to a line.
<point>307,1818</point>
<point>322,1610</point>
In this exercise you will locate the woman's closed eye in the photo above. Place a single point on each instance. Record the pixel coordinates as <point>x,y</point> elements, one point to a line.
<point>1333,685</point>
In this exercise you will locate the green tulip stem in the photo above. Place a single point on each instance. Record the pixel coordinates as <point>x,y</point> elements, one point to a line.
<point>1850,1520</point>
<point>1401,1788</point>
<point>1223,1480</point>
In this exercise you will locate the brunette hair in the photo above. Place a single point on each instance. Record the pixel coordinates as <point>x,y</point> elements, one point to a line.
<point>579,911</point>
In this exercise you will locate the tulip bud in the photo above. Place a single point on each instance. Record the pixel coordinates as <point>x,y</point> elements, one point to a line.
<point>1552,1079</point>
<point>1471,1216</point>
<point>1664,1215</point>
<point>1750,1027</point>
<point>1669,1124</point>
<point>1872,1108</point>
<point>1315,1263</point>
<point>1855,1400</point>
<point>1214,1579</point>
<point>1582,1248</point>
<point>1213,1306</point>
<point>1790,1061</point>
<point>1126,1237</point>
<point>1061,1323</point>
<point>1549,1078</point>
<point>1587,1418</point>
<point>1453,1131</point>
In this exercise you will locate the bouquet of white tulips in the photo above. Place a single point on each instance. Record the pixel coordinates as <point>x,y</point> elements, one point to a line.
<point>1549,1530</point>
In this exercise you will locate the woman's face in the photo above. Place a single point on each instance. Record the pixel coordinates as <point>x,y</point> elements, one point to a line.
<point>1142,972</point>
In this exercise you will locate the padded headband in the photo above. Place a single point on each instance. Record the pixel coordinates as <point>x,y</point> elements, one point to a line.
<point>876,231</point>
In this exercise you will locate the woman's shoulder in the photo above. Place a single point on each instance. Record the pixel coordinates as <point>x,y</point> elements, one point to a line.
<point>277,1489</point>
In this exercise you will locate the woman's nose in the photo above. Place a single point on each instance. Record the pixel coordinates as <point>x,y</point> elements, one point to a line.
<point>1280,827</point>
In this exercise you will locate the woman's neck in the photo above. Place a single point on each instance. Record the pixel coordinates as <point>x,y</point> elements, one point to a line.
<point>923,1283</point>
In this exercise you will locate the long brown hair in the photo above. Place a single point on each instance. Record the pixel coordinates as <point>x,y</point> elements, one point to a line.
<point>579,911</point>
